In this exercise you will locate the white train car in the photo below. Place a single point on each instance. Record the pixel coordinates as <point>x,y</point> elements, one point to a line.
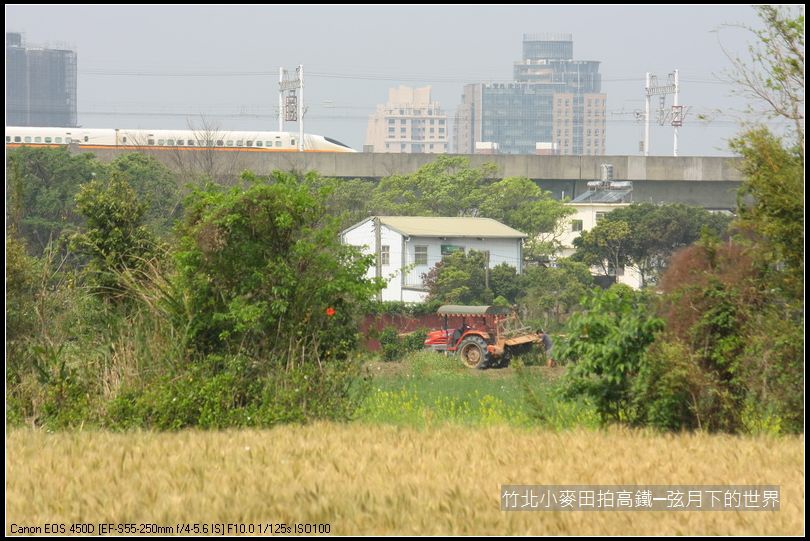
<point>190,140</point>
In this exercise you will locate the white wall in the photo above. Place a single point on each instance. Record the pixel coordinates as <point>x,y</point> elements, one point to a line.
<point>364,236</point>
<point>587,213</point>
<point>501,251</point>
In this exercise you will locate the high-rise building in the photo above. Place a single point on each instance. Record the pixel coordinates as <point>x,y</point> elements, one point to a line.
<point>409,123</point>
<point>554,105</point>
<point>40,85</point>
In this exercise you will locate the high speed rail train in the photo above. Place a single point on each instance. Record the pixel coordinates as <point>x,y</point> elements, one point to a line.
<point>185,140</point>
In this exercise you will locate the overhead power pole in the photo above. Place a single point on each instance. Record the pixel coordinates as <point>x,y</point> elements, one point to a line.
<point>291,106</point>
<point>676,115</point>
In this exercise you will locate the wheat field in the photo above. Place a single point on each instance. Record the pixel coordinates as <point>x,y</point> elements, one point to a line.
<point>376,479</point>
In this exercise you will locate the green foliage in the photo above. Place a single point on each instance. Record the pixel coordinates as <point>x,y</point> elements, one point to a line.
<point>156,187</point>
<point>670,392</point>
<point>42,185</point>
<point>261,267</point>
<point>505,283</point>
<point>605,348</point>
<point>239,391</point>
<point>432,389</point>
<point>549,295</point>
<point>744,345</point>
<point>774,75</point>
<point>520,203</point>
<point>645,236</point>
<point>346,199</point>
<point>447,186</point>
<point>605,245</point>
<point>114,238</point>
<point>395,346</point>
<point>401,308</point>
<point>771,207</point>
<point>459,278</point>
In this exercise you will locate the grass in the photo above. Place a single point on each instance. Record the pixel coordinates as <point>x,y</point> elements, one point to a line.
<point>384,479</point>
<point>428,389</point>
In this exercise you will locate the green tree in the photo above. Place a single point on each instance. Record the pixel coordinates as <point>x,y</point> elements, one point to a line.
<point>459,278</point>
<point>771,206</point>
<point>447,186</point>
<point>774,75</point>
<point>605,348</point>
<point>505,282</point>
<point>549,295</point>
<point>349,200</point>
<point>657,231</point>
<point>606,245</point>
<point>264,273</point>
<point>155,185</point>
<point>520,203</point>
<point>42,186</point>
<point>114,237</point>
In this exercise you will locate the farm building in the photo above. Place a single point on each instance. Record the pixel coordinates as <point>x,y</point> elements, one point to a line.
<point>406,247</point>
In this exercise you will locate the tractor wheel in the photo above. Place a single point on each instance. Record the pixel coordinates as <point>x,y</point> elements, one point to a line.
<point>473,351</point>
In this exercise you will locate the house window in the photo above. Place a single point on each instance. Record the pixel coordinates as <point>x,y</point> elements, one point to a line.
<point>385,255</point>
<point>599,216</point>
<point>576,225</point>
<point>420,255</point>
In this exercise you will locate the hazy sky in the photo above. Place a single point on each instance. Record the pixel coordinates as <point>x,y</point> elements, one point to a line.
<point>159,66</point>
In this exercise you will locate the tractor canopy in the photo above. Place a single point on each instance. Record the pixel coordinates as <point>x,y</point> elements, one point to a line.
<point>462,310</point>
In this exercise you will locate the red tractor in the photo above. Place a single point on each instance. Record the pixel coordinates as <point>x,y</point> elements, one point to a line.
<point>483,336</point>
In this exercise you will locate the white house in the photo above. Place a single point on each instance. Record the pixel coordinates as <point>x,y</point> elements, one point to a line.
<point>406,247</point>
<point>591,206</point>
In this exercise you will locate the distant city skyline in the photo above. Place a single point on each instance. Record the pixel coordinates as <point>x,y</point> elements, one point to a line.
<point>161,67</point>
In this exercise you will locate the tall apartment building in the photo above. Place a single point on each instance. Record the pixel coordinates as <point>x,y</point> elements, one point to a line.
<point>409,123</point>
<point>554,102</point>
<point>40,85</point>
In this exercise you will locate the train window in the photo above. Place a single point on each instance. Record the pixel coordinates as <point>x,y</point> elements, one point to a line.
<point>179,142</point>
<point>8,138</point>
<point>258,143</point>
<point>150,141</point>
<point>229,143</point>
<point>124,140</point>
<point>58,139</point>
<point>292,142</point>
<point>27,138</point>
<point>68,140</point>
<point>170,142</point>
<point>268,143</point>
<point>191,142</point>
<point>48,139</point>
<point>250,143</point>
<point>37,139</point>
<point>239,142</point>
<point>278,143</point>
<point>17,139</point>
<point>161,142</point>
<point>209,143</point>
<point>219,142</point>
<point>86,138</point>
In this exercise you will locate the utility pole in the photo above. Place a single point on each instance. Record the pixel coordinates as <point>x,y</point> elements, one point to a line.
<point>486,269</point>
<point>676,115</point>
<point>280,99</point>
<point>378,252</point>
<point>292,104</point>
